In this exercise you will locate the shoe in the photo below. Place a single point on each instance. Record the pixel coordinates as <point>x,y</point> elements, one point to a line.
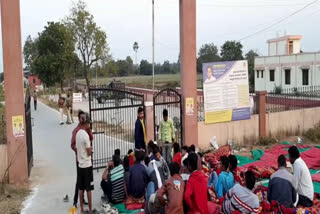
<point>85,203</point>
<point>66,199</point>
<point>61,123</point>
<point>68,123</point>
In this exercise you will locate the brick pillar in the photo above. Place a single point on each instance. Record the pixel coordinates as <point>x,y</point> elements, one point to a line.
<point>261,106</point>
<point>14,99</point>
<point>149,119</point>
<point>188,67</point>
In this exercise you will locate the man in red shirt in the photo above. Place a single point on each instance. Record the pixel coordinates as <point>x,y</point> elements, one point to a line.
<point>81,115</point>
<point>196,196</point>
<point>177,154</point>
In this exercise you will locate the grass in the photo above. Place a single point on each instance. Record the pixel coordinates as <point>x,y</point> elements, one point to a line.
<point>313,134</point>
<point>11,198</point>
<point>161,81</point>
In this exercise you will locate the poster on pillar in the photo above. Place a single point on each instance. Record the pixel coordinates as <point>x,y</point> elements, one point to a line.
<point>226,91</point>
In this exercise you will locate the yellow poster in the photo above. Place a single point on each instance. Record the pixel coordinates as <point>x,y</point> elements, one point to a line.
<point>18,126</point>
<point>189,106</point>
<point>218,116</point>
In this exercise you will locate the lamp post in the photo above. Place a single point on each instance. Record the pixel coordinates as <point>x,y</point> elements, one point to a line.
<point>153,46</point>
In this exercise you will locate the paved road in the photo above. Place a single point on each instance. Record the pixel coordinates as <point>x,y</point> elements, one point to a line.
<point>54,172</point>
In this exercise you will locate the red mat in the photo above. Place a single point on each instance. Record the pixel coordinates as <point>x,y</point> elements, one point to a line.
<point>312,158</point>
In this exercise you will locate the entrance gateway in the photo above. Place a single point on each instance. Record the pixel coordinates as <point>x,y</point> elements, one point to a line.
<point>113,113</point>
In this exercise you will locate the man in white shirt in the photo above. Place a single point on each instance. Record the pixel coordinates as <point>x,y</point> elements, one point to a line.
<point>85,173</point>
<point>304,183</point>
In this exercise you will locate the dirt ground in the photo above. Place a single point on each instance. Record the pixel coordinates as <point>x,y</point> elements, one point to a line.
<point>11,199</point>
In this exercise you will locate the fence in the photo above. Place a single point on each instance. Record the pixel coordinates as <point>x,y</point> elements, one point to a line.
<point>293,99</point>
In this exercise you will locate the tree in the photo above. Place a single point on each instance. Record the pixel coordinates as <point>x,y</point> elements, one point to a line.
<point>145,67</point>
<point>112,69</point>
<point>29,52</point>
<point>55,53</point>
<point>90,40</point>
<point>231,50</point>
<point>250,56</point>
<point>130,66</point>
<point>166,67</point>
<point>135,48</point>
<point>207,53</point>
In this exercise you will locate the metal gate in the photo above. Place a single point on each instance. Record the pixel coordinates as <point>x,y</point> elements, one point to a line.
<point>169,99</point>
<point>113,114</point>
<point>28,130</point>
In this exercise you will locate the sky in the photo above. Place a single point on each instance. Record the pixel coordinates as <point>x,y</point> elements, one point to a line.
<point>127,21</point>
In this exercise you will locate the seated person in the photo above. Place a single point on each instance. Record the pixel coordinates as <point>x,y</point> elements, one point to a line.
<point>131,157</point>
<point>302,176</point>
<point>242,199</point>
<point>184,154</point>
<point>177,154</point>
<point>163,163</point>
<point>138,178</point>
<point>233,167</point>
<point>126,166</point>
<point>225,180</point>
<point>173,189</point>
<point>113,185</point>
<point>185,173</point>
<point>195,196</point>
<point>281,185</point>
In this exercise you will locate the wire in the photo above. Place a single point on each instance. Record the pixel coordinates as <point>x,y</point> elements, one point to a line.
<point>278,22</point>
<point>249,5</point>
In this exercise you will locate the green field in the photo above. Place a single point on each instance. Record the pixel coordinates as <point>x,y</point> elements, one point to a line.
<point>161,81</point>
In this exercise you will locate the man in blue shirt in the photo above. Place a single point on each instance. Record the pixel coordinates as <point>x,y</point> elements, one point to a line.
<point>225,180</point>
<point>138,178</point>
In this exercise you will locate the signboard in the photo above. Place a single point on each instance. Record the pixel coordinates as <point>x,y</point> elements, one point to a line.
<point>189,106</point>
<point>226,91</point>
<point>18,126</point>
<point>77,97</point>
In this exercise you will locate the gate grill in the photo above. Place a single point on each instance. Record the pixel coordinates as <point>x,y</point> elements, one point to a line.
<point>28,130</point>
<point>168,99</point>
<point>113,114</point>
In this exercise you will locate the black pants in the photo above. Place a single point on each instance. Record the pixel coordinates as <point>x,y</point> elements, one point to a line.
<point>305,201</point>
<point>107,189</point>
<point>76,191</point>
<point>35,105</point>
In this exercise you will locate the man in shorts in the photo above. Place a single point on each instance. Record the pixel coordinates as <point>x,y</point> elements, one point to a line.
<point>85,173</point>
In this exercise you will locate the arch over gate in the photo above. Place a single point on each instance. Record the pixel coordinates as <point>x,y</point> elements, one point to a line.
<point>171,100</point>
<point>113,113</point>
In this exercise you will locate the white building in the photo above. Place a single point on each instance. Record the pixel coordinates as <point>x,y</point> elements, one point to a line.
<point>286,66</point>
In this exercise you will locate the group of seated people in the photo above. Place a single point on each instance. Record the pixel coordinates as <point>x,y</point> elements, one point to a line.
<point>186,185</point>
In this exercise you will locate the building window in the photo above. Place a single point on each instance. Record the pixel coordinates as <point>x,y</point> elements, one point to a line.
<point>262,74</point>
<point>291,47</point>
<point>258,74</point>
<point>287,76</point>
<point>271,75</point>
<point>34,80</point>
<point>305,76</point>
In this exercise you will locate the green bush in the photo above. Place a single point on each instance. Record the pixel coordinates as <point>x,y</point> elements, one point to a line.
<point>313,134</point>
<point>265,141</point>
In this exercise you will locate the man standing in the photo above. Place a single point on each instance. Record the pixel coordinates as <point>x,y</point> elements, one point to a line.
<point>282,185</point>
<point>85,127</point>
<point>167,135</point>
<point>85,173</point>
<point>35,100</point>
<point>60,105</point>
<point>69,109</point>
<point>303,178</point>
<point>140,136</point>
